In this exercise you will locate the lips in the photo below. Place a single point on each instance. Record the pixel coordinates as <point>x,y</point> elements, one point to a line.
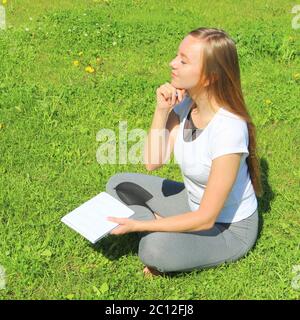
<point>174,75</point>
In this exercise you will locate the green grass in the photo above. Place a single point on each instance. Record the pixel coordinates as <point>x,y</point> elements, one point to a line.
<point>51,111</point>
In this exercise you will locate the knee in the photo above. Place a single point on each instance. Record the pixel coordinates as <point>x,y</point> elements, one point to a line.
<point>151,253</point>
<point>115,180</point>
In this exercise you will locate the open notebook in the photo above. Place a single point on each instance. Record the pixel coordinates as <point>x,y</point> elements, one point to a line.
<point>89,219</point>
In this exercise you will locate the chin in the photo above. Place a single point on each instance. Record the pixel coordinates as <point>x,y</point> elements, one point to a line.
<point>175,83</point>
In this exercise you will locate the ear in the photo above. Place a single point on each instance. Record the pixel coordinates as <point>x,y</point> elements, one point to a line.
<point>214,77</point>
<point>206,83</point>
<point>203,83</point>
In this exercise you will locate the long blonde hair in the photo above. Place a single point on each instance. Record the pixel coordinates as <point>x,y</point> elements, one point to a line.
<point>221,68</point>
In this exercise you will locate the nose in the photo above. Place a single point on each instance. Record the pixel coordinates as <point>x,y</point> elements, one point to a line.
<point>172,64</point>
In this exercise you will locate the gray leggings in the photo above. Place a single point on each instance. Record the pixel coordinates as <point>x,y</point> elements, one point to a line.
<point>179,251</point>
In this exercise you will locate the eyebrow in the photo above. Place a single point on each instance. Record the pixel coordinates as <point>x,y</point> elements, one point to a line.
<point>184,55</point>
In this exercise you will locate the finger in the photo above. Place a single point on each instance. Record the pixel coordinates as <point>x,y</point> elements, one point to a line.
<point>174,97</point>
<point>179,95</point>
<point>166,94</point>
<point>172,92</point>
<point>113,219</point>
<point>118,231</point>
<point>115,231</point>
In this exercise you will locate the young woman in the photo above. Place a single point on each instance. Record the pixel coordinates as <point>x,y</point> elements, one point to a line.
<point>211,217</point>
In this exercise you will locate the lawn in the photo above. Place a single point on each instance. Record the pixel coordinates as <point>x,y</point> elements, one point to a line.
<point>72,68</point>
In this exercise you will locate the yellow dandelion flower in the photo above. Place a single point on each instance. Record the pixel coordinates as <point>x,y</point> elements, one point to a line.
<point>268,101</point>
<point>89,69</point>
<point>80,53</point>
<point>76,63</point>
<point>4,1</point>
<point>296,76</point>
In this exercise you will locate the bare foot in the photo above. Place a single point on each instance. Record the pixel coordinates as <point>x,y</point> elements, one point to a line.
<point>151,272</point>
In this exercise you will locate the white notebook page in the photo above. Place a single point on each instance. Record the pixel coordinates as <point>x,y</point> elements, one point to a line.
<point>89,219</point>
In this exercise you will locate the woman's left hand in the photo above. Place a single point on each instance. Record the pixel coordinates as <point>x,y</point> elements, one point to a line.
<point>125,225</point>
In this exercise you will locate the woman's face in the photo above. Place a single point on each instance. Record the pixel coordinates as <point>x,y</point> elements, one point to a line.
<point>186,65</point>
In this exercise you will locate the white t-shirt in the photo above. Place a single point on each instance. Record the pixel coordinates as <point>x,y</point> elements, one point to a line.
<point>225,133</point>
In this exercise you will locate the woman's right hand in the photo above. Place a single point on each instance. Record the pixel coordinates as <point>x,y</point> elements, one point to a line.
<point>166,96</point>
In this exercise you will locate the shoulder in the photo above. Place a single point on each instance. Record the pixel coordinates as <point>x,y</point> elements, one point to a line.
<point>229,126</point>
<point>228,135</point>
<point>228,120</point>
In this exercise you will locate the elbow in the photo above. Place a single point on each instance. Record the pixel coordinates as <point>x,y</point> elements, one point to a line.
<point>208,226</point>
<point>151,167</point>
<point>205,227</point>
<point>206,220</point>
<point>210,223</point>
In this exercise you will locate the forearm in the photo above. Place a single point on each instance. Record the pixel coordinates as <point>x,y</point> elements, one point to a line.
<point>156,140</point>
<point>189,221</point>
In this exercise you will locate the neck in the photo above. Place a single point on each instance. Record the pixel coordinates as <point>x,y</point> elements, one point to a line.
<point>205,107</point>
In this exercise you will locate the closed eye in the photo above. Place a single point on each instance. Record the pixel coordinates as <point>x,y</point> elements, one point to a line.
<point>180,60</point>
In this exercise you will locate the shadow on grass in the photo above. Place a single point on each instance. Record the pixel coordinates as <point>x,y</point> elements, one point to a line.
<point>114,247</point>
<point>267,197</point>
